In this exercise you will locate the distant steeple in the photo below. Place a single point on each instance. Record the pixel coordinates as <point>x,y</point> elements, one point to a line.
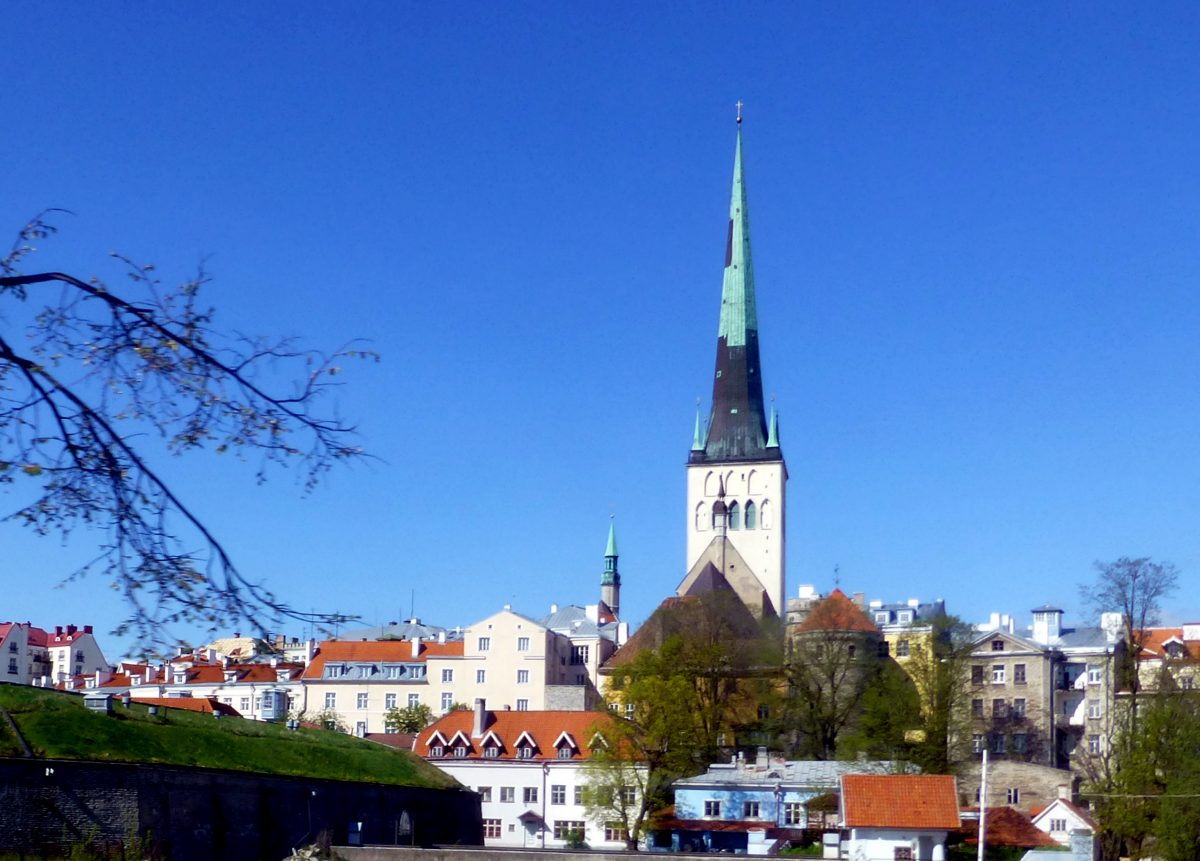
<point>698,434</point>
<point>610,580</point>
<point>737,429</point>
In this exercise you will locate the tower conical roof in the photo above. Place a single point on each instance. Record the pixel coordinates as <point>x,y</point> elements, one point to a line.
<point>737,429</point>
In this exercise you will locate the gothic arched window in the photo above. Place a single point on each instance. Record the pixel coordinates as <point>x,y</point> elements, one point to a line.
<point>766,514</point>
<point>735,516</point>
<point>701,517</point>
<point>751,515</point>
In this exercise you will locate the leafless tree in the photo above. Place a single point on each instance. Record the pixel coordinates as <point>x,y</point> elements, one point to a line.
<point>98,372</point>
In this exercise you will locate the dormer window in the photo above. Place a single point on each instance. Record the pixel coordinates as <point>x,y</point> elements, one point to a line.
<point>437,750</point>
<point>524,752</point>
<point>565,752</point>
<point>882,617</point>
<point>333,671</point>
<point>491,752</point>
<point>904,617</point>
<point>461,752</point>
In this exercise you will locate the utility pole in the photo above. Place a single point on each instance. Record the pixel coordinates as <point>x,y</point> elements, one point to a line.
<point>982,802</point>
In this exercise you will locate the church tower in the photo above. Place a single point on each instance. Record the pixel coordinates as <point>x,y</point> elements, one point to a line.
<point>736,476</point>
<point>610,580</point>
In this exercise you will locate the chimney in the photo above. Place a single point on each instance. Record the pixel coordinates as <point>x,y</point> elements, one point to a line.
<point>441,637</point>
<point>480,717</point>
<point>859,600</point>
<point>416,647</point>
<point>760,757</point>
<point>553,609</point>
<point>914,602</point>
<point>71,629</point>
<point>58,630</point>
<point>1064,792</point>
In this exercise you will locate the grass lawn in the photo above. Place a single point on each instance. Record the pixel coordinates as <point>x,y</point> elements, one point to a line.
<point>57,725</point>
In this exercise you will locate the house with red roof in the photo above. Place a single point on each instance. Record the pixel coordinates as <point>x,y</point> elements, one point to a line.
<point>900,817</point>
<point>529,768</point>
<point>1064,820</point>
<point>35,656</point>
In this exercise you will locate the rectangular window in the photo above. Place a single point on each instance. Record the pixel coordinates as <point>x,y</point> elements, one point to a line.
<point>997,645</point>
<point>579,795</point>
<point>437,750</point>
<point>522,705</point>
<point>565,829</point>
<point>712,808</point>
<point>530,794</point>
<point>480,677</point>
<point>1094,674</point>
<point>579,655</point>
<point>998,708</point>
<point>977,675</point>
<point>461,751</point>
<point>902,648</point>
<point>447,700</point>
<point>997,741</point>
<point>12,665</point>
<point>615,831</point>
<point>628,795</point>
<point>1058,825</point>
<point>749,810</point>
<point>389,701</point>
<point>522,677</point>
<point>485,643</point>
<point>1019,742</point>
<point>361,700</point>
<point>1018,709</point>
<point>793,813</point>
<point>565,752</point>
<point>507,795</point>
<point>904,617</point>
<point>414,699</point>
<point>902,853</point>
<point>485,793</point>
<point>997,674</point>
<point>330,700</point>
<point>447,675</point>
<point>1093,709</point>
<point>1014,795</point>
<point>977,708</point>
<point>491,752</point>
<point>522,644</point>
<point>558,793</point>
<point>491,828</point>
<point>1093,744</point>
<point>525,752</point>
<point>629,709</point>
<point>244,704</point>
<point>1018,674</point>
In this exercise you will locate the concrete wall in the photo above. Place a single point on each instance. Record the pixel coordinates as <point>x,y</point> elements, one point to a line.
<point>48,805</point>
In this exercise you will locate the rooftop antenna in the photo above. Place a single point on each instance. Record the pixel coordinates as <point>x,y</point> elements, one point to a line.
<point>837,576</point>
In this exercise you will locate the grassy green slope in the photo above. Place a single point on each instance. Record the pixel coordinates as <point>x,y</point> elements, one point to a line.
<point>58,725</point>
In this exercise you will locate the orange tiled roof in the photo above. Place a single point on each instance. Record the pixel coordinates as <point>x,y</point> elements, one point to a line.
<point>544,727</point>
<point>365,651</point>
<point>838,613</point>
<point>204,705</point>
<point>900,801</point>
<point>1154,643</point>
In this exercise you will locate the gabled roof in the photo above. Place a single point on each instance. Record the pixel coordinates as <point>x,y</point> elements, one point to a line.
<point>837,613</point>
<point>923,801</point>
<point>1155,640</point>
<point>376,651</point>
<point>508,727</point>
<point>1007,826</point>
<point>1047,812</point>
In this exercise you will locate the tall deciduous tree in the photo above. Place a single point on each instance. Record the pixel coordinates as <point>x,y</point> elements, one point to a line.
<point>100,366</point>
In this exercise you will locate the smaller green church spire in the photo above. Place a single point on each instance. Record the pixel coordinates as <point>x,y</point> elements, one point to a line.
<point>698,435</point>
<point>773,431</point>
<point>611,549</point>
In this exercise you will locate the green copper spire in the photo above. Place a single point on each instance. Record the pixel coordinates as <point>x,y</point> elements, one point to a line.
<point>773,433</point>
<point>698,435</point>
<point>738,313</point>
<point>611,577</point>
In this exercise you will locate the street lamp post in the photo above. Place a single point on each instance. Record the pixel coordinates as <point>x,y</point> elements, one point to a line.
<point>545,774</point>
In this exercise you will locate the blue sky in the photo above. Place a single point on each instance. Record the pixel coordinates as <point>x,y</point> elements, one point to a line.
<point>977,246</point>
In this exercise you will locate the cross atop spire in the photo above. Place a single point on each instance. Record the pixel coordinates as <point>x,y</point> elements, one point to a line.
<point>738,105</point>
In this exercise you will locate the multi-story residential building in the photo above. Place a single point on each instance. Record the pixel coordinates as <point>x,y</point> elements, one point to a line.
<point>32,655</point>
<point>265,690</point>
<point>1044,697</point>
<point>529,770</point>
<point>361,681</point>
<point>907,627</point>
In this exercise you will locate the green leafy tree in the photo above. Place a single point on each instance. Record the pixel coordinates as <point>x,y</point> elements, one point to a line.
<point>102,370</point>
<point>411,718</point>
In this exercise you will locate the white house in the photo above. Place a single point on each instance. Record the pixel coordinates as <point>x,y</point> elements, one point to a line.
<point>528,768</point>
<point>1061,818</point>
<point>898,817</point>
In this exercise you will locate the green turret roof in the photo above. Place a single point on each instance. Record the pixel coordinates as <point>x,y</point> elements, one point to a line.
<point>611,550</point>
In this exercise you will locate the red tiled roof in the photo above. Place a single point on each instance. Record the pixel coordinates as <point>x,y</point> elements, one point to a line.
<point>363,651</point>
<point>1007,826</point>
<point>900,801</point>
<point>838,613</point>
<point>204,705</point>
<point>544,727</point>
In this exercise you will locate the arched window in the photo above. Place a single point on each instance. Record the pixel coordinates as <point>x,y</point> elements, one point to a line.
<point>751,515</point>
<point>710,484</point>
<point>701,517</point>
<point>752,483</point>
<point>766,514</point>
<point>735,516</point>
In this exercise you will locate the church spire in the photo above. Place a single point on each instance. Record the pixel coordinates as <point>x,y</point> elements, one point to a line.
<point>737,429</point>
<point>610,580</point>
